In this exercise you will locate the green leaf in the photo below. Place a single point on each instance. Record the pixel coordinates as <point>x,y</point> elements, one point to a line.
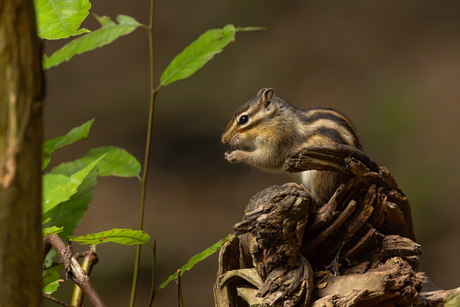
<point>74,135</point>
<point>52,286</point>
<point>69,213</point>
<point>47,264</point>
<point>199,52</point>
<point>195,259</point>
<point>117,162</point>
<point>51,275</point>
<point>120,236</point>
<point>59,188</point>
<point>52,230</point>
<point>239,29</point>
<point>109,32</point>
<point>46,221</point>
<point>195,55</point>
<point>57,19</point>
<point>56,189</point>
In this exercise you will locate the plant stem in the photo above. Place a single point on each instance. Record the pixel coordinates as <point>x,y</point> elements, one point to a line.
<point>152,290</point>
<point>153,93</point>
<point>56,300</point>
<point>87,265</point>
<point>179,290</point>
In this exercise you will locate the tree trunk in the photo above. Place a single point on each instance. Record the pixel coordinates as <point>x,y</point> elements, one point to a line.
<point>21,93</point>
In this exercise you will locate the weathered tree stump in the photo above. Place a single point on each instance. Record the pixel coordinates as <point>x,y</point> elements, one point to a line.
<point>360,245</point>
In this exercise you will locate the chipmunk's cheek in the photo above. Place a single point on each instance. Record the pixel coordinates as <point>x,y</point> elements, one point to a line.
<point>252,137</point>
<point>235,140</point>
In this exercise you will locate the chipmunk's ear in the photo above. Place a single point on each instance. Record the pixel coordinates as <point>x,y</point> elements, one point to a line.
<point>267,96</point>
<point>259,93</point>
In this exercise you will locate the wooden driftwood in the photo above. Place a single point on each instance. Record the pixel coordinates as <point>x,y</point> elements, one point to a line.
<point>361,245</point>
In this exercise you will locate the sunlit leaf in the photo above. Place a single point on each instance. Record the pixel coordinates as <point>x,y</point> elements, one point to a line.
<point>51,230</point>
<point>52,286</point>
<point>109,32</point>
<point>58,19</point>
<point>59,188</point>
<point>74,135</point>
<point>117,162</point>
<point>68,214</point>
<point>120,236</point>
<point>199,52</point>
<point>56,189</point>
<point>195,259</point>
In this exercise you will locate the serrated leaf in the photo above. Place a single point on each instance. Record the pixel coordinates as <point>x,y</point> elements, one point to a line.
<point>120,236</point>
<point>74,135</point>
<point>58,188</point>
<point>109,32</point>
<point>117,162</point>
<point>52,230</point>
<point>199,52</point>
<point>52,286</point>
<point>195,259</point>
<point>57,19</point>
<point>68,214</point>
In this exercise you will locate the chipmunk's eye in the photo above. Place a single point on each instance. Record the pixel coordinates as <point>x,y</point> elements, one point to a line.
<point>243,120</point>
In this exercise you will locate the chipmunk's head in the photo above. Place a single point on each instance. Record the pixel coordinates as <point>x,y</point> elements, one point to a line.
<point>251,120</point>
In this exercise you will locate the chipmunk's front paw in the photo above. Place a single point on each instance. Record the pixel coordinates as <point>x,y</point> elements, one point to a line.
<point>234,156</point>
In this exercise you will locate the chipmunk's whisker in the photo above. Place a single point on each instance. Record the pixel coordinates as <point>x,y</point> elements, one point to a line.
<point>219,128</point>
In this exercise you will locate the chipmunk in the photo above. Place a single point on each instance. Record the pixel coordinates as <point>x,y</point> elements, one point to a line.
<point>267,129</point>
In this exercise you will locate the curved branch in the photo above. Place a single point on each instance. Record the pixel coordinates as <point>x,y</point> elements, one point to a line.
<point>74,270</point>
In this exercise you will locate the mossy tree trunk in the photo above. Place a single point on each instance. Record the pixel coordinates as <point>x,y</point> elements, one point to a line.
<point>21,94</point>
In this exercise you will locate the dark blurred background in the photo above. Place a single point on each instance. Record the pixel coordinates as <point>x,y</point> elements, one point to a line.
<point>392,67</point>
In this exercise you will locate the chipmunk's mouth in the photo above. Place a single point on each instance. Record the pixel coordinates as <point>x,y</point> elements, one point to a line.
<point>242,148</point>
<point>238,144</point>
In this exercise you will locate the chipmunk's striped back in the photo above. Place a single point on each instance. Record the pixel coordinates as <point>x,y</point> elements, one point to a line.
<point>268,129</point>
<point>325,126</point>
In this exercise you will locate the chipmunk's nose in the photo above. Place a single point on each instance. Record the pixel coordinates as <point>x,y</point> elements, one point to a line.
<point>226,138</point>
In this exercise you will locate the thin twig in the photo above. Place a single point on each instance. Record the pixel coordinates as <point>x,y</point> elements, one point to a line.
<point>179,290</point>
<point>153,93</point>
<point>56,300</point>
<point>74,270</point>
<point>152,290</point>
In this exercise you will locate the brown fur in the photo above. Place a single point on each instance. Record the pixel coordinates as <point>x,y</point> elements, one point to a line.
<point>275,128</point>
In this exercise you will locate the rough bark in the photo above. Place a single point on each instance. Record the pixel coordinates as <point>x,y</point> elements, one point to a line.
<point>361,244</point>
<point>21,93</point>
<point>74,271</point>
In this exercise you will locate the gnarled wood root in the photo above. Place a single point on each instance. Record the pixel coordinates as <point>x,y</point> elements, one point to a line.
<point>361,244</point>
